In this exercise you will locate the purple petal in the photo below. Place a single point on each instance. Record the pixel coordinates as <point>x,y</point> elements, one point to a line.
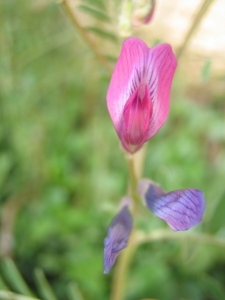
<point>117,238</point>
<point>139,91</point>
<point>181,209</point>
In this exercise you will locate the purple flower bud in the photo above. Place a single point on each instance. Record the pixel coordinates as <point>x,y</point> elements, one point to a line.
<point>117,238</point>
<point>181,209</point>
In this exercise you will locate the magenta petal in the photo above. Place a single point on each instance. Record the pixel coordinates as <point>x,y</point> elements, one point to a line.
<point>117,238</point>
<point>181,209</point>
<point>139,91</point>
<point>138,18</point>
<point>137,114</point>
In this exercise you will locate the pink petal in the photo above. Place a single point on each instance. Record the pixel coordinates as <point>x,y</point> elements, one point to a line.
<point>126,77</point>
<point>136,115</point>
<point>142,78</point>
<point>161,67</point>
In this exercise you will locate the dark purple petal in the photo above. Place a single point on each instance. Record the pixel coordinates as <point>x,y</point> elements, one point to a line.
<point>117,238</point>
<point>181,209</point>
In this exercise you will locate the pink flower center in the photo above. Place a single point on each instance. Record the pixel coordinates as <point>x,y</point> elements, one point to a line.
<point>137,114</point>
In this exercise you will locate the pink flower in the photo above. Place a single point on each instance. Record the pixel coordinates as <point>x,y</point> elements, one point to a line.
<point>138,97</point>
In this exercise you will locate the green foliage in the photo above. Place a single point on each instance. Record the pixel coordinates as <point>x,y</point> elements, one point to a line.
<point>62,173</point>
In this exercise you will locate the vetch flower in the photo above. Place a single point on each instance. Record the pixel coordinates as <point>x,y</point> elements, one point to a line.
<point>138,96</point>
<point>117,238</point>
<point>143,12</point>
<point>181,209</point>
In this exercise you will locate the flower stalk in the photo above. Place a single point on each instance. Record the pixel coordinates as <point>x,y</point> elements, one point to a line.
<point>121,269</point>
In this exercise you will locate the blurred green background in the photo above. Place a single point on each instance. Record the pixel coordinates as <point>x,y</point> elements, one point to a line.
<point>62,174</point>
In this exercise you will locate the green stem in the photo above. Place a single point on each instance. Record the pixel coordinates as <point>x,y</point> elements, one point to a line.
<point>133,180</point>
<point>121,269</point>
<point>159,235</point>
<point>199,15</point>
<point>86,36</point>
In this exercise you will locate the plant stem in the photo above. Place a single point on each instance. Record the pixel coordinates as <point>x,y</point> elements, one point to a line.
<point>159,235</point>
<point>133,180</point>
<point>86,36</point>
<point>199,15</point>
<point>121,270</point>
<point>120,275</point>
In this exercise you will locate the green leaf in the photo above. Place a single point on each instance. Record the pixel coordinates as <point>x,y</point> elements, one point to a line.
<point>99,3</point>
<point>112,59</point>
<point>95,13</point>
<point>74,292</point>
<point>103,33</point>
<point>2,284</point>
<point>14,278</point>
<point>43,285</point>
<point>212,287</point>
<point>217,220</point>
<point>6,295</point>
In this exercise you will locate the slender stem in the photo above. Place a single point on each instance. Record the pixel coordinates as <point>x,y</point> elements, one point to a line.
<point>199,15</point>
<point>133,180</point>
<point>121,270</point>
<point>158,235</point>
<point>86,36</point>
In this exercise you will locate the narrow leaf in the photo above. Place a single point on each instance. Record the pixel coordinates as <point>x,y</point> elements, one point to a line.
<point>3,285</point>
<point>98,3</point>
<point>103,33</point>
<point>74,292</point>
<point>43,286</point>
<point>14,278</point>
<point>94,12</point>
<point>6,295</point>
<point>212,287</point>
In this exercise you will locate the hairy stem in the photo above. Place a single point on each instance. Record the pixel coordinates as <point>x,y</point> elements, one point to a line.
<point>199,15</point>
<point>86,36</point>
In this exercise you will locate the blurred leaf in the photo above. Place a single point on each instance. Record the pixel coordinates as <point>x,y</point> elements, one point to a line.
<point>113,59</point>
<point>14,278</point>
<point>103,33</point>
<point>99,3</point>
<point>6,295</point>
<point>217,220</point>
<point>206,69</point>
<point>95,13</point>
<point>74,292</point>
<point>212,287</point>
<point>43,286</point>
<point>2,284</point>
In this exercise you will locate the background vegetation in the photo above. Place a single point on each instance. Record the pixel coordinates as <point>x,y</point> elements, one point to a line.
<point>62,173</point>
